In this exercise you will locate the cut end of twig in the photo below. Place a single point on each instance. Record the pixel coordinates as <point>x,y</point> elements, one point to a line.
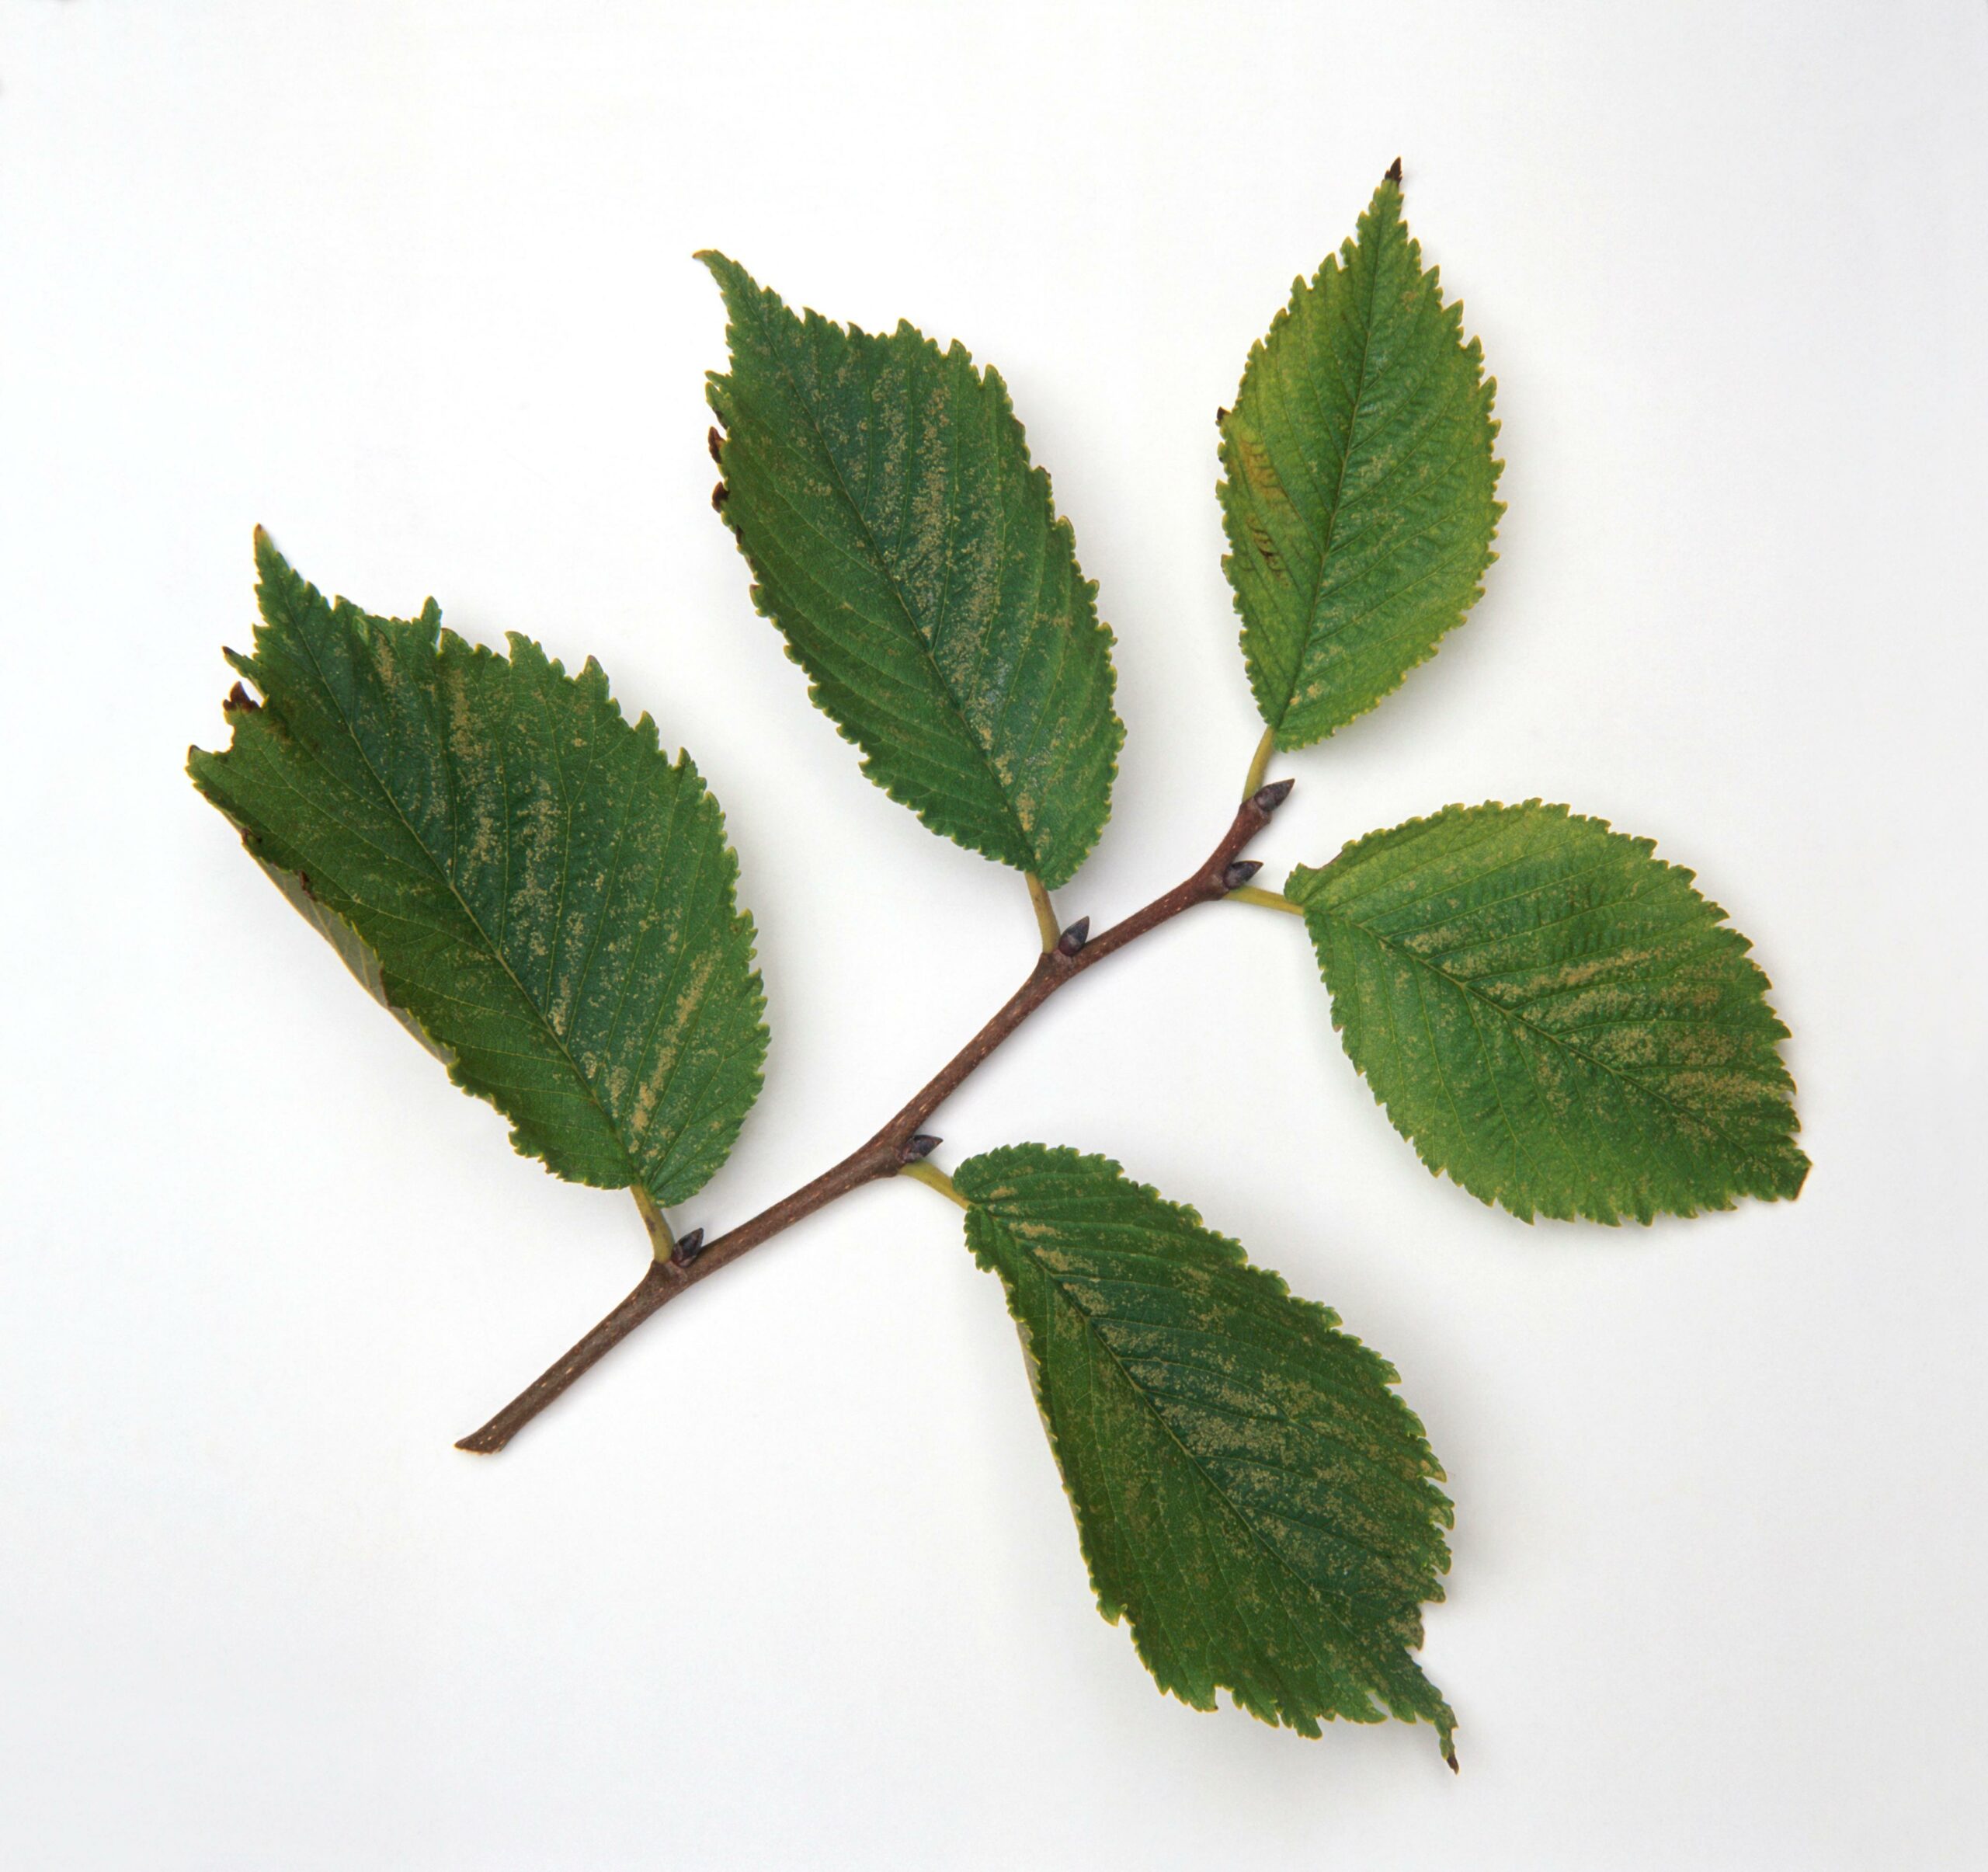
<point>922,1145</point>
<point>688,1247</point>
<point>1268,798</point>
<point>1239,873</point>
<point>1394,175</point>
<point>1074,937</point>
<point>481,1442</point>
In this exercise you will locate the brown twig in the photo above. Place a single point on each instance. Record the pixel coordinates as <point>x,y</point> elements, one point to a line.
<point>901,1140</point>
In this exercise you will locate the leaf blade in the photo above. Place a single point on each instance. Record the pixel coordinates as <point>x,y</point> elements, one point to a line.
<point>514,868</point>
<point>1250,1493</point>
<point>1553,1017</point>
<point>912,556</point>
<point>1358,488</point>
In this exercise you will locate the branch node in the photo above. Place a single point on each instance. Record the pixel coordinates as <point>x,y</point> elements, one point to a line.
<point>1074,938</point>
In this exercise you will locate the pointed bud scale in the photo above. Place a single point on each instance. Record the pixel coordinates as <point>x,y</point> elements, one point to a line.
<point>1239,874</point>
<point>688,1247</point>
<point>1268,798</point>
<point>1074,937</point>
<point>922,1145</point>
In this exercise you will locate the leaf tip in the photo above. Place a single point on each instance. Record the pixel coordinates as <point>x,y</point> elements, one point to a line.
<point>1394,175</point>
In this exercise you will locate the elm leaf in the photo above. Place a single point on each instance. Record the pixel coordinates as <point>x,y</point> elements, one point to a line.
<point>1555,1017</point>
<point>1358,483</point>
<point>1250,1493</point>
<point>518,872</point>
<point>881,491</point>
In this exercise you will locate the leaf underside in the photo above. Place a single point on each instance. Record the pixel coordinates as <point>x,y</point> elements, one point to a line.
<point>1358,482</point>
<point>1555,1018</point>
<point>881,491</point>
<point>1250,1493</point>
<point>518,872</point>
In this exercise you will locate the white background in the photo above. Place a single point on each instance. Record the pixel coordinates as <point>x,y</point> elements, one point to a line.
<point>790,1582</point>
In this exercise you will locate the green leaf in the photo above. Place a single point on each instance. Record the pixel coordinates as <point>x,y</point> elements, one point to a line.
<point>913,560</point>
<point>1556,1018</point>
<point>1358,480</point>
<point>1249,1492</point>
<point>520,874</point>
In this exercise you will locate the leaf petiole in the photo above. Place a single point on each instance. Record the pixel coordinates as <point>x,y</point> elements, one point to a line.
<point>1259,762</point>
<point>662,1243</point>
<point>933,1178</point>
<point>1269,900</point>
<point>1045,911</point>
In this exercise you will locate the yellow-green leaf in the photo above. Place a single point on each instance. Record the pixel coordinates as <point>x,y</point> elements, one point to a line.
<point>1358,482</point>
<point>1555,1017</point>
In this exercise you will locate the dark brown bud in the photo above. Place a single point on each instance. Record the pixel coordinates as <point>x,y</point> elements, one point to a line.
<point>1240,873</point>
<point>688,1247</point>
<point>1074,937</point>
<point>1268,798</point>
<point>922,1145</point>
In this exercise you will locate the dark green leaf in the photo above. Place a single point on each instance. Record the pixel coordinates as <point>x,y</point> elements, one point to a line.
<point>1249,1492</point>
<point>508,864</point>
<point>1357,494</point>
<point>1556,1017</point>
<point>913,558</point>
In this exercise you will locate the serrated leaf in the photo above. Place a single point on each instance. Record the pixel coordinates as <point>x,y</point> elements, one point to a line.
<point>1358,483</point>
<point>1555,1017</point>
<point>1250,1493</point>
<point>881,491</point>
<point>518,872</point>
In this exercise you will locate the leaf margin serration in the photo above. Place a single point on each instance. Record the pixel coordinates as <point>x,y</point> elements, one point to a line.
<point>671,1180</point>
<point>1305,881</point>
<point>1056,866</point>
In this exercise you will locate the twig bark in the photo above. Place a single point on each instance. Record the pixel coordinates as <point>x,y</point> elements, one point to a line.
<point>900,1140</point>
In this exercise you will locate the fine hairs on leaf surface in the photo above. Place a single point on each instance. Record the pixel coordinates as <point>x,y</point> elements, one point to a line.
<point>1555,1018</point>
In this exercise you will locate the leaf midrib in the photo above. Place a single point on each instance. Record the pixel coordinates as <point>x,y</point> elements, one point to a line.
<point>448,883</point>
<point>1748,1153</point>
<point>1208,1482</point>
<point>1313,603</point>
